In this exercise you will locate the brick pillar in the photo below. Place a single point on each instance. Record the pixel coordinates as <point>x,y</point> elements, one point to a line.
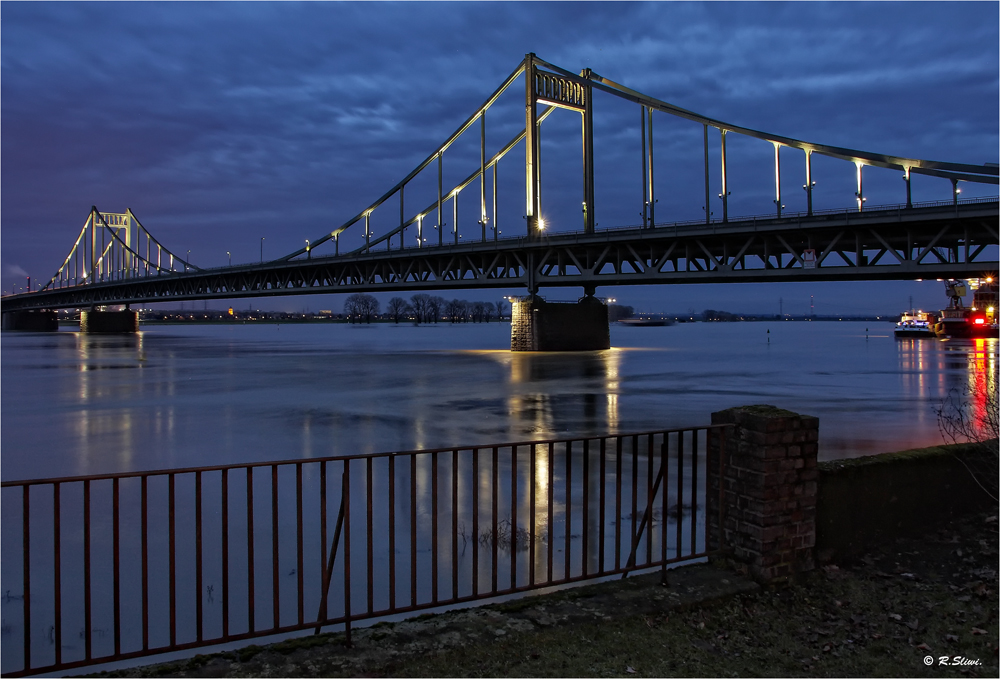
<point>769,479</point>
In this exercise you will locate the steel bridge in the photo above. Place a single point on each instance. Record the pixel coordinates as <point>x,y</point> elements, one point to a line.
<point>116,260</point>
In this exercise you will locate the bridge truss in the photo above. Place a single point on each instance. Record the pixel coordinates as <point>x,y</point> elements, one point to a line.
<point>933,241</point>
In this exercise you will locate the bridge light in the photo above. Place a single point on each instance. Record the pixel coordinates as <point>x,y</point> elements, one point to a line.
<point>541,224</point>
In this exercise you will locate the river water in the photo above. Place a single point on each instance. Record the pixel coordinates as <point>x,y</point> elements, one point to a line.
<point>176,396</point>
<point>183,396</point>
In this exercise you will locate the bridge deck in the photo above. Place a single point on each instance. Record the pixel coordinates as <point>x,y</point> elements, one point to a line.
<point>937,241</point>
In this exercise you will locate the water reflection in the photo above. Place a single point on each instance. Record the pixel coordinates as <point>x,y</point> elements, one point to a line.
<point>982,378</point>
<point>82,404</point>
<point>112,428</point>
<point>939,370</point>
<point>587,391</point>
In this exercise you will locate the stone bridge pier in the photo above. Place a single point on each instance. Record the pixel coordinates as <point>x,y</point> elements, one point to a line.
<point>537,325</point>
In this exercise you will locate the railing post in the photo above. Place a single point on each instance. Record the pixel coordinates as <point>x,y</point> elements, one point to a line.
<point>328,571</point>
<point>347,552</point>
<point>651,493</point>
<point>715,463</point>
<point>26,574</point>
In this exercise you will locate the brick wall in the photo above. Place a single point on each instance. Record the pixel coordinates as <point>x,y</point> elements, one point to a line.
<point>769,482</point>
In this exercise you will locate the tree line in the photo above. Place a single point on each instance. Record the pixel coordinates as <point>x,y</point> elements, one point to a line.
<point>422,308</point>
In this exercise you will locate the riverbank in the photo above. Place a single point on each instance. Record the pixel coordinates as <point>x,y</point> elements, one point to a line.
<point>880,615</point>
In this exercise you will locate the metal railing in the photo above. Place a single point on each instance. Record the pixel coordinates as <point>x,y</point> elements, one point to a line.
<point>696,226</point>
<point>121,566</point>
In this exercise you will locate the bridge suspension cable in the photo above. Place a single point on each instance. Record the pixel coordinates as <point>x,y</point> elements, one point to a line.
<point>553,87</point>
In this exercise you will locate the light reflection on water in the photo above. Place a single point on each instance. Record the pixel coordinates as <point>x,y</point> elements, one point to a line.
<point>190,396</point>
<point>175,396</point>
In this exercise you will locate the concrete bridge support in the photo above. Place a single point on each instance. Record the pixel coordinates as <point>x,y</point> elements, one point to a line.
<point>31,321</point>
<point>537,325</point>
<point>116,322</point>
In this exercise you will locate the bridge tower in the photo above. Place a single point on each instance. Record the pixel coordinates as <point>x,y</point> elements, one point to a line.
<point>537,325</point>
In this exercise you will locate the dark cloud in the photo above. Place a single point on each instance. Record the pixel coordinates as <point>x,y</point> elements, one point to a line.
<point>219,123</point>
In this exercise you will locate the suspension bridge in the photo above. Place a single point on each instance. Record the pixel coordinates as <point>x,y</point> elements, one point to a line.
<point>116,260</point>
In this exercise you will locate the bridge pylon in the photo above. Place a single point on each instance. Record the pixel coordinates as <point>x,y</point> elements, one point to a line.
<point>114,247</point>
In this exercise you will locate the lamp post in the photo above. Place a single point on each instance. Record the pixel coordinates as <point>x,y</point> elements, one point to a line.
<point>308,251</point>
<point>188,259</point>
<point>261,249</point>
<point>230,257</point>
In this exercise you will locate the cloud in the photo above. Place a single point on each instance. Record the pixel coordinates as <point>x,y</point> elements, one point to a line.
<point>220,120</point>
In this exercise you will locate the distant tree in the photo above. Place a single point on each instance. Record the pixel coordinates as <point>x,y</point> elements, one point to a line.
<point>351,309</point>
<point>361,306</point>
<point>713,315</point>
<point>398,308</point>
<point>617,312</point>
<point>488,311</point>
<point>434,307</point>
<point>477,310</point>
<point>501,307</point>
<point>452,310</point>
<point>419,304</point>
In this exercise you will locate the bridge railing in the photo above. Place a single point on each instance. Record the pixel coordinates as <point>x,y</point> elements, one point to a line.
<point>122,566</point>
<point>793,216</point>
<point>698,224</point>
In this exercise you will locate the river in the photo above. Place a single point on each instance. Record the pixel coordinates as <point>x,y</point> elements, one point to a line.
<point>176,396</point>
<point>186,395</point>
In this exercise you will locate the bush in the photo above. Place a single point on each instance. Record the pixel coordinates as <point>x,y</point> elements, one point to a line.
<point>971,415</point>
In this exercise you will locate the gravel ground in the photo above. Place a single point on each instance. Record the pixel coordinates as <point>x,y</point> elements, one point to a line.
<point>929,598</point>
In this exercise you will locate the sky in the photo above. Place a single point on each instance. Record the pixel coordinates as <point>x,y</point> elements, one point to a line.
<point>221,124</point>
